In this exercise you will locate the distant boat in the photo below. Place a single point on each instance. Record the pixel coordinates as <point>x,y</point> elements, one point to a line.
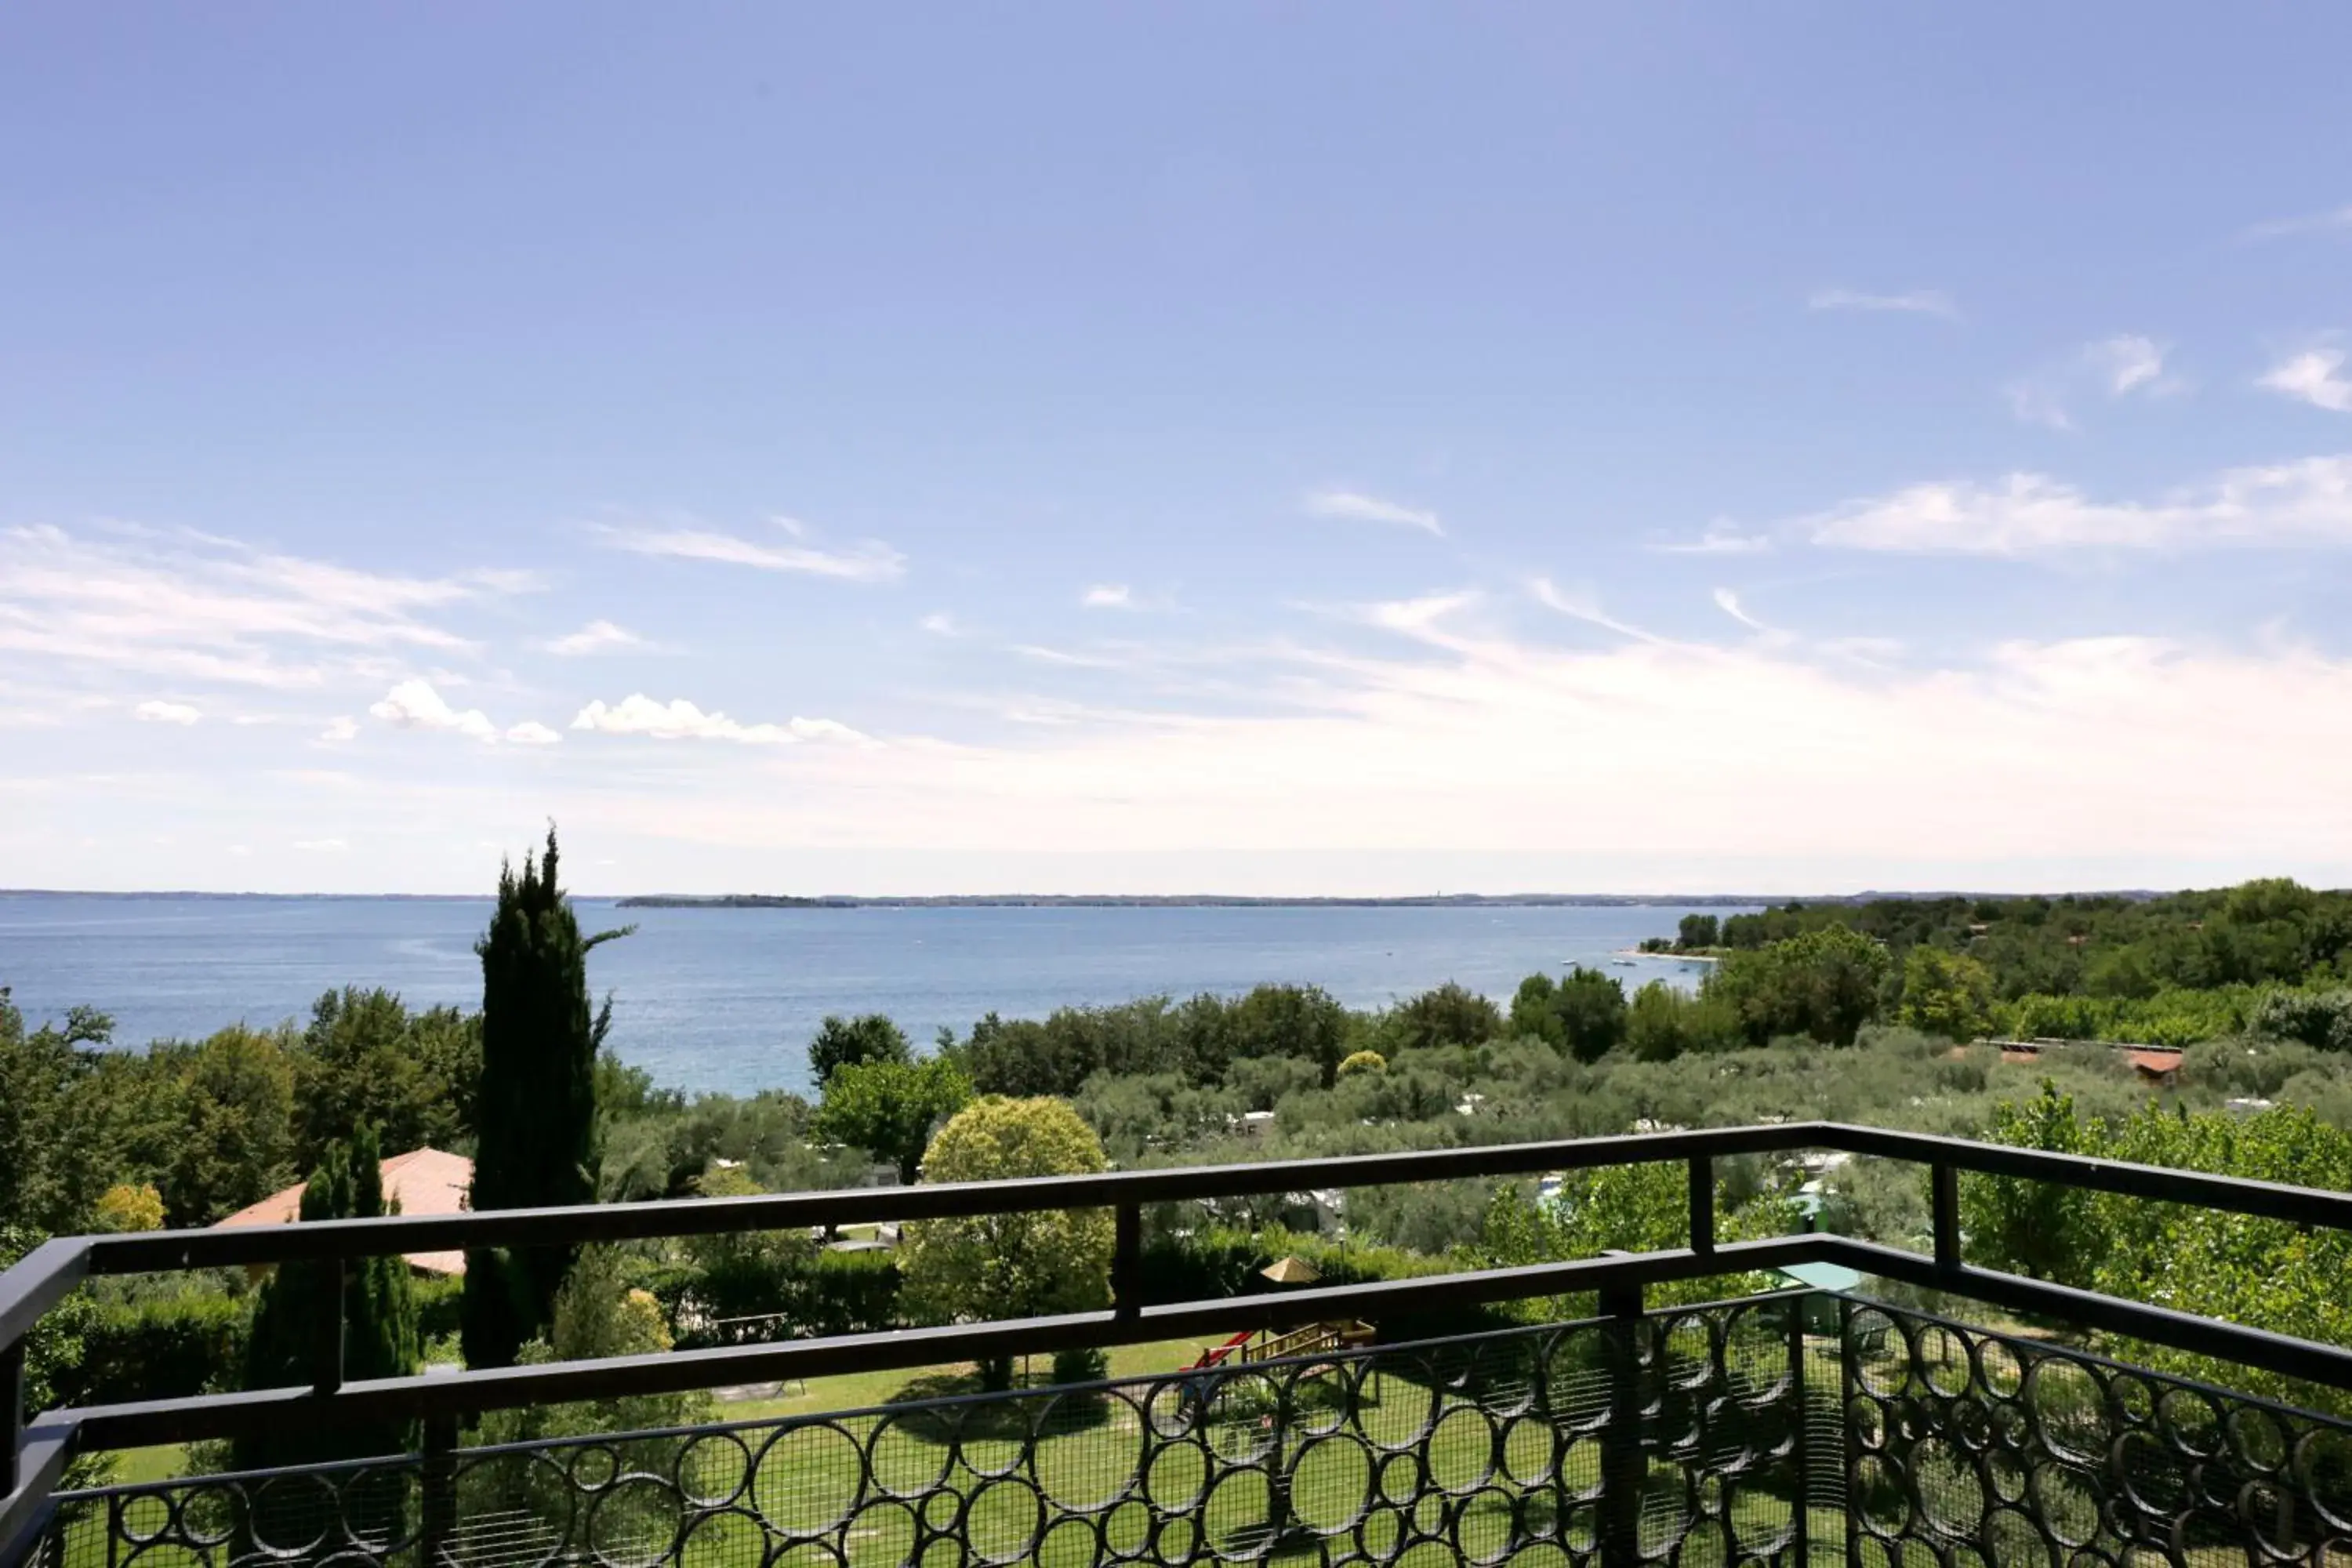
<point>1623,962</point>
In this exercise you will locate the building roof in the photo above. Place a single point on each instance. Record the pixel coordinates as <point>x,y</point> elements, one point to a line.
<point>420,1182</point>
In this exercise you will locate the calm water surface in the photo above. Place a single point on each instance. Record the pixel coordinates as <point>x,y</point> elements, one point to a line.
<point>727,999</point>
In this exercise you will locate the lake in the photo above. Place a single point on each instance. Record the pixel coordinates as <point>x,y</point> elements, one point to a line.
<point>727,999</point>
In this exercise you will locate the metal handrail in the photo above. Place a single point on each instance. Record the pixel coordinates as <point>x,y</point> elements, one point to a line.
<point>33,1457</point>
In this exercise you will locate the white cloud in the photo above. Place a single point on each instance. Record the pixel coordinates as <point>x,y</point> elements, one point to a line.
<point>596,636</point>
<point>2335,220</point>
<point>167,712</point>
<point>680,720</point>
<point>341,728</point>
<point>869,560</point>
<point>2126,361</point>
<point>416,705</point>
<point>1353,506</point>
<point>318,846</point>
<point>193,607</point>
<point>1728,601</point>
<point>939,625</point>
<point>2118,366</point>
<point>1918,302</point>
<point>2312,376</point>
<point>2308,501</point>
<point>531,732</point>
<point>1108,596</point>
<point>1583,604</point>
<point>1721,539</point>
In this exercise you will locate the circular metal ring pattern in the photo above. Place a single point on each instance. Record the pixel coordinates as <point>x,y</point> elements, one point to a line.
<point>1729,1427</point>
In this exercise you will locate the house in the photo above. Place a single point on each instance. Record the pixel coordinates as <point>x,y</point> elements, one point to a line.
<point>420,1182</point>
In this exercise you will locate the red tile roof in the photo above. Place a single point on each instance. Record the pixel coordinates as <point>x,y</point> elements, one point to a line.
<point>423,1181</point>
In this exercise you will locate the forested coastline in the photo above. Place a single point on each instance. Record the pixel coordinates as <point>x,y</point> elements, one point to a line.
<point>1885,1012</point>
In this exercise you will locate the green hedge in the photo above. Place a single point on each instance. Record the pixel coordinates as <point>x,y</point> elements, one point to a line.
<point>169,1347</point>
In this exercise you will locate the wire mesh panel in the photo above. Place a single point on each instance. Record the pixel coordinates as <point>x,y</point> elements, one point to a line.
<point>1972,1448</point>
<point>1678,1437</point>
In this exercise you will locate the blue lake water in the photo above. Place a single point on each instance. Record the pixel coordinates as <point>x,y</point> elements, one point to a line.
<point>727,999</point>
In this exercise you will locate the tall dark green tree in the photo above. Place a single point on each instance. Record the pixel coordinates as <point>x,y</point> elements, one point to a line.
<point>379,1316</point>
<point>536,1118</point>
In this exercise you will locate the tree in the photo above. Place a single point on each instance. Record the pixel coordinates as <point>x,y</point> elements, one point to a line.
<point>1663,1021</point>
<point>1363,1061</point>
<point>1698,930</point>
<point>1448,1015</point>
<point>1010,1265</point>
<point>365,1057</point>
<point>1823,982</point>
<point>1947,993</point>
<point>1583,1013</point>
<point>380,1337</point>
<point>1305,1022</point>
<point>538,1142</point>
<point>845,1042</point>
<point>888,1108</point>
<point>49,1161</point>
<point>2038,1228</point>
<point>230,1139</point>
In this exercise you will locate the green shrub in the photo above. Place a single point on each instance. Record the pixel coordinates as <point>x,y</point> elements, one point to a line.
<point>166,1347</point>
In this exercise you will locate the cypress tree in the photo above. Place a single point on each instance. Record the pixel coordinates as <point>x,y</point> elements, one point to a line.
<point>537,1134</point>
<point>379,1316</point>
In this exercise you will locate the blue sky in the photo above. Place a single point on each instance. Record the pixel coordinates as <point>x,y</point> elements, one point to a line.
<point>1251,449</point>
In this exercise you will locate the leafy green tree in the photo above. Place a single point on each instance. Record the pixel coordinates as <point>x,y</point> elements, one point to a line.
<point>1663,1021</point>
<point>380,1337</point>
<point>852,1042</point>
<point>1698,930</point>
<point>1449,1016</point>
<point>231,1141</point>
<point>2037,1228</point>
<point>538,1144</point>
<point>1947,993</point>
<point>1620,1208</point>
<point>1822,981</point>
<point>1582,1014</point>
<point>1304,1022</point>
<point>52,1167</point>
<point>1011,1265</point>
<point>366,1059</point>
<point>888,1108</point>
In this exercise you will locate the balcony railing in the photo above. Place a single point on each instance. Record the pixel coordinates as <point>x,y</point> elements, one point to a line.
<point>1760,1431</point>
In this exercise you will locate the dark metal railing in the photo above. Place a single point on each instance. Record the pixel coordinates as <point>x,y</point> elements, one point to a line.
<point>37,1452</point>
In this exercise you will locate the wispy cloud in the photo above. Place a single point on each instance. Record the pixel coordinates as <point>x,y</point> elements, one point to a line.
<point>531,732</point>
<point>2308,501</point>
<point>321,845</point>
<point>1727,601</point>
<point>596,636</point>
<point>166,712</point>
<point>196,607</point>
<point>1108,596</point>
<point>1354,506</point>
<point>2335,220</point>
<point>340,729</point>
<point>1720,539</point>
<point>867,561</point>
<point>2312,375</point>
<point>1583,604</point>
<point>679,720</point>
<point>2118,366</point>
<point>1917,301</point>
<point>940,625</point>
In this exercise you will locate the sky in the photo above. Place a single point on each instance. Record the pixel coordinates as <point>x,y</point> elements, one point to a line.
<point>1360,449</point>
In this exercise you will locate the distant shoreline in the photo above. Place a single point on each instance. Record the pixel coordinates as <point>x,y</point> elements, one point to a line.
<point>1178,901</point>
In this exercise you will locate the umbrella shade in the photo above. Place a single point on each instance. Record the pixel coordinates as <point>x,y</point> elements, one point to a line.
<point>1291,1272</point>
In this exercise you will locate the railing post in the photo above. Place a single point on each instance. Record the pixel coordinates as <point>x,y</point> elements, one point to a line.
<point>1702,1203</point>
<point>12,1423</point>
<point>1849,1387</point>
<point>1623,1467</point>
<point>327,1365</point>
<point>439,1510</point>
<point>1801,1452</point>
<point>1127,1264</point>
<point>1944,1196</point>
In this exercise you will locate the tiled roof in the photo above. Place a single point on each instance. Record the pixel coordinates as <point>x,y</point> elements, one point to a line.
<point>420,1182</point>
